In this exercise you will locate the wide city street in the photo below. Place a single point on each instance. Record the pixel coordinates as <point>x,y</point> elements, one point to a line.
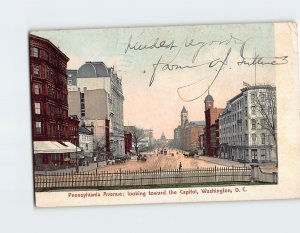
<point>169,161</point>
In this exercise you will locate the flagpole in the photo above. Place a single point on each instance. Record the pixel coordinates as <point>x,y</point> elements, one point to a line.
<point>255,68</point>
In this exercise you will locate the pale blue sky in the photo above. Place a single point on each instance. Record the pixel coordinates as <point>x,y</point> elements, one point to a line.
<point>159,106</point>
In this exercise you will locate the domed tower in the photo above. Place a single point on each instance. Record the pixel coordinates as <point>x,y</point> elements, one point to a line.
<point>93,70</point>
<point>209,101</point>
<point>184,117</point>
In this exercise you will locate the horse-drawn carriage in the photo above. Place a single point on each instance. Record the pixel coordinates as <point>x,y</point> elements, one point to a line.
<point>142,158</point>
<point>189,154</point>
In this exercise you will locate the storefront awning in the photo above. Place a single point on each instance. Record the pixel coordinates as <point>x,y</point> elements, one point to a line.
<point>72,147</point>
<point>47,147</point>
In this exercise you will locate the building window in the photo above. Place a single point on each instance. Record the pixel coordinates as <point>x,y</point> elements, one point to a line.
<point>36,71</point>
<point>263,154</point>
<point>253,124</point>
<point>254,138</point>
<point>55,157</point>
<point>252,98</point>
<point>253,110</point>
<point>263,123</point>
<point>50,110</point>
<point>38,127</point>
<point>47,73</point>
<point>35,52</point>
<point>82,104</point>
<point>254,155</point>
<point>46,56</point>
<point>37,89</point>
<point>262,97</point>
<point>246,154</point>
<point>37,108</point>
<point>263,138</point>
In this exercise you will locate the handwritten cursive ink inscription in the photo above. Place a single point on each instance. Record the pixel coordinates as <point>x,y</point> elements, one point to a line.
<point>167,66</point>
<point>258,60</point>
<point>202,44</point>
<point>196,46</point>
<point>211,65</point>
<point>157,44</point>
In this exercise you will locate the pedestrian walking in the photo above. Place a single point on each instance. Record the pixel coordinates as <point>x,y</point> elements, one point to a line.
<point>180,166</point>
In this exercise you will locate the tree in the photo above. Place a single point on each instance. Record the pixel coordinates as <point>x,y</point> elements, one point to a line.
<point>264,103</point>
<point>99,148</point>
<point>137,136</point>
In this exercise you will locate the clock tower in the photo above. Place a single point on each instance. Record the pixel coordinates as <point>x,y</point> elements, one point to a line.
<point>209,101</point>
<point>184,117</point>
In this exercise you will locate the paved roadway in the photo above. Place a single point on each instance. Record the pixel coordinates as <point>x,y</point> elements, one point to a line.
<point>168,161</point>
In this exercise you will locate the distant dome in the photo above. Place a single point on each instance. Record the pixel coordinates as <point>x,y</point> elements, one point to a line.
<point>93,70</point>
<point>208,98</point>
<point>162,137</point>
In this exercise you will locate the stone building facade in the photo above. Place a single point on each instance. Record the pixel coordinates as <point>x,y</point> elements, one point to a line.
<point>248,125</point>
<point>177,137</point>
<point>97,97</point>
<point>86,142</point>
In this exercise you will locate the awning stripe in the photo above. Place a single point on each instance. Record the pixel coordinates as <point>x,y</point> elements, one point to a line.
<point>44,147</point>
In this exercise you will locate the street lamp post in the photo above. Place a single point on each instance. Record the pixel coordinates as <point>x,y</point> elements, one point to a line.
<point>98,156</point>
<point>233,150</point>
<point>76,159</point>
<point>244,148</point>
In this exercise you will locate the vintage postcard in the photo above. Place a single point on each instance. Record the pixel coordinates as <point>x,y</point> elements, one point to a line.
<point>165,114</point>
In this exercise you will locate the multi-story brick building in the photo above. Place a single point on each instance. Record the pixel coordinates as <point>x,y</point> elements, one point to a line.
<point>211,134</point>
<point>248,125</point>
<point>128,142</point>
<point>190,132</point>
<point>54,133</point>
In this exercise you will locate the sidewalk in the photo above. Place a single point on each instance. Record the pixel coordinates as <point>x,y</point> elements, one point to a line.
<point>265,167</point>
<point>223,162</point>
<point>91,167</point>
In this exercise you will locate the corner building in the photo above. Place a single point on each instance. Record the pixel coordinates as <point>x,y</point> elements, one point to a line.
<point>54,133</point>
<point>243,132</point>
